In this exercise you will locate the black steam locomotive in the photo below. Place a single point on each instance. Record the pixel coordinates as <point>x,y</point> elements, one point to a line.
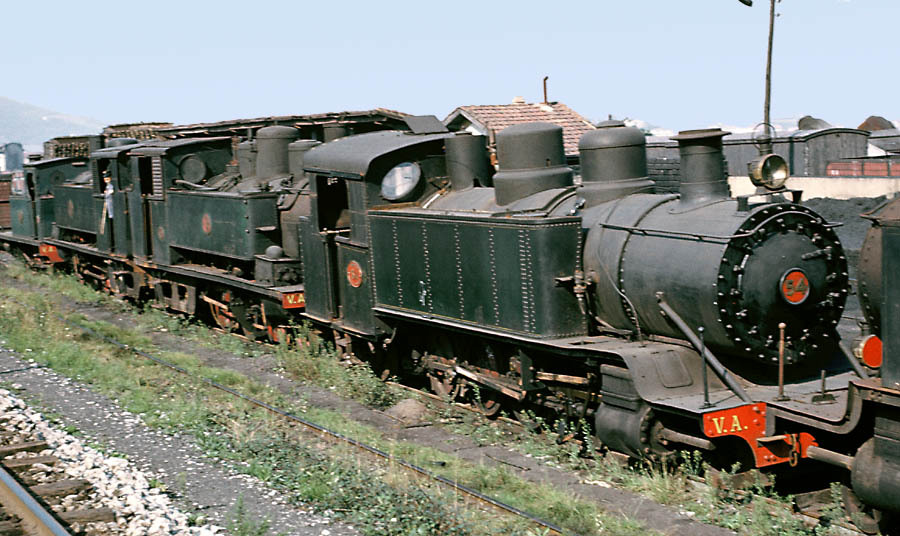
<point>668,320</point>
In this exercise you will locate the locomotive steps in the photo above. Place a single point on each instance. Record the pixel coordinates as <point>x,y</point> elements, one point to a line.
<point>594,484</point>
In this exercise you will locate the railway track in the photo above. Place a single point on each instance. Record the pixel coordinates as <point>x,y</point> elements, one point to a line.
<point>39,501</point>
<point>23,513</point>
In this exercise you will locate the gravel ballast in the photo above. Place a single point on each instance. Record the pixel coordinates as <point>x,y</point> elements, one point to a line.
<point>116,483</point>
<point>200,485</point>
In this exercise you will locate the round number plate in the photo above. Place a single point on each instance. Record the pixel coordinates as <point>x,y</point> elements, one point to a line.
<point>206,224</point>
<point>795,286</point>
<point>354,274</point>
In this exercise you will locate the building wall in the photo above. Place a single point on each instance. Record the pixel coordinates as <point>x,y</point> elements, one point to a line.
<point>832,187</point>
<point>807,155</point>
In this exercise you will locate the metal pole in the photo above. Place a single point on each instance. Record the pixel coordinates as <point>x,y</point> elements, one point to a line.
<point>781,396</point>
<point>706,403</point>
<point>767,142</point>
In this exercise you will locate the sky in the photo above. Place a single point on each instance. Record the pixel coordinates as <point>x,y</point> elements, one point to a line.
<point>675,64</point>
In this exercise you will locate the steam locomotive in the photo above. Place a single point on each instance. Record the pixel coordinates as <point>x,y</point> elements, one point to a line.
<point>670,321</point>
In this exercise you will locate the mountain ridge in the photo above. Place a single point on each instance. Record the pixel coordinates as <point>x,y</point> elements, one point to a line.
<point>32,125</point>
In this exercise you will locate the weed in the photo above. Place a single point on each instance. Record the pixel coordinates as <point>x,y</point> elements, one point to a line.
<point>239,523</point>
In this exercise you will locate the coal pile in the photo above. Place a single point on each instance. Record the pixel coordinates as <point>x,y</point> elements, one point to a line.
<point>847,211</point>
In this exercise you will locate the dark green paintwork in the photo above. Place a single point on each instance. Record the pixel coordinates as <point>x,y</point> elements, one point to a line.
<point>115,235</point>
<point>121,220</point>
<point>319,271</point>
<point>74,208</point>
<point>104,231</point>
<point>159,235</point>
<point>235,222</point>
<point>138,215</point>
<point>44,216</point>
<point>345,184</point>
<point>499,273</point>
<point>356,302</point>
<point>22,213</point>
<point>154,170</point>
<point>33,212</point>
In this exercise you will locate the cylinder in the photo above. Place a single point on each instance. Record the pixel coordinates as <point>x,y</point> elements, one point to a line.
<point>703,176</point>
<point>467,161</point>
<point>532,160</point>
<point>876,477</point>
<point>247,158</point>
<point>272,151</point>
<point>613,152</point>
<point>296,151</point>
<point>333,132</point>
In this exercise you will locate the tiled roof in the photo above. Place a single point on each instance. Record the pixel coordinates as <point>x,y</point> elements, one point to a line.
<point>496,117</point>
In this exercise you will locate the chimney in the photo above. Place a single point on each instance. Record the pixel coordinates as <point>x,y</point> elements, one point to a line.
<point>702,169</point>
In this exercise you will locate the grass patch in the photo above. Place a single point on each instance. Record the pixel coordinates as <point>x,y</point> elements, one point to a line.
<point>317,362</point>
<point>340,480</point>
<point>379,498</point>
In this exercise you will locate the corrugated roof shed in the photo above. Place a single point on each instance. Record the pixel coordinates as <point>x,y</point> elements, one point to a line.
<point>886,140</point>
<point>492,118</point>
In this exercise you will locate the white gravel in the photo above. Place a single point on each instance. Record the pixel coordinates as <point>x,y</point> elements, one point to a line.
<point>199,484</point>
<point>117,484</point>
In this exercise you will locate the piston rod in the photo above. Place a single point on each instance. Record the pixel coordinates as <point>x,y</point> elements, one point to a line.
<point>830,457</point>
<point>685,439</point>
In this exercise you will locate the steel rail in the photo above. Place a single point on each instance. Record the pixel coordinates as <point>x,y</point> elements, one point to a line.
<point>17,500</point>
<point>456,486</point>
